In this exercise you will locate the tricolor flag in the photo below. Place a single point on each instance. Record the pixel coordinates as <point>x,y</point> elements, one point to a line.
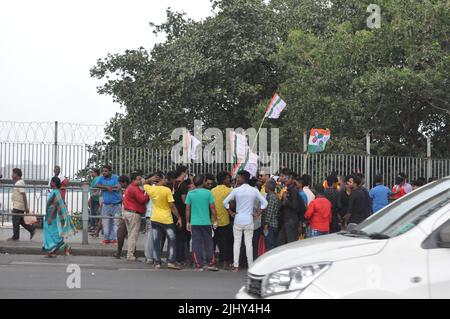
<point>239,166</point>
<point>252,164</point>
<point>318,138</point>
<point>275,107</point>
<point>238,147</point>
<point>190,145</point>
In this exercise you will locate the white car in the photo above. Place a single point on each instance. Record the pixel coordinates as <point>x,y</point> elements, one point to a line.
<point>403,251</point>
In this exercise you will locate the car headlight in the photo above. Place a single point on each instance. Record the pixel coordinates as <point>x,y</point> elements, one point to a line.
<point>297,278</point>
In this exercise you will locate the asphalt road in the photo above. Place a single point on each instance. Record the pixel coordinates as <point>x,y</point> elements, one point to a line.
<point>34,276</point>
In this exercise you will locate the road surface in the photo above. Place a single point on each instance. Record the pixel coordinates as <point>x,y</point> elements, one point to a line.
<point>34,276</point>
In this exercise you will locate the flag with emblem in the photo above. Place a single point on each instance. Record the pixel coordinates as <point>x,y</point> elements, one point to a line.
<point>318,139</point>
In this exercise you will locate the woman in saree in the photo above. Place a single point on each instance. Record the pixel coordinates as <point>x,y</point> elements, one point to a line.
<point>57,223</point>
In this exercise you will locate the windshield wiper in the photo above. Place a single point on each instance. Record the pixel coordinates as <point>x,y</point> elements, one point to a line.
<point>371,235</point>
<point>379,236</point>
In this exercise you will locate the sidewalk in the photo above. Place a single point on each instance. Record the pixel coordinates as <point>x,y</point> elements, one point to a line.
<point>34,246</point>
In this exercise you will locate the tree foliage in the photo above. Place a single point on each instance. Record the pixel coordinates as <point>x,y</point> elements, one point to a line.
<point>331,69</point>
<point>391,82</point>
<point>213,71</point>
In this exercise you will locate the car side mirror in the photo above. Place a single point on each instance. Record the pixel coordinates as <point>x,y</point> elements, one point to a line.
<point>444,237</point>
<point>351,226</point>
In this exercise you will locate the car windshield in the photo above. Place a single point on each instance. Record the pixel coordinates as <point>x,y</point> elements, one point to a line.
<point>407,212</point>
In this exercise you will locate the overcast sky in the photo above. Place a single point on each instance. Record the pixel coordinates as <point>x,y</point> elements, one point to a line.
<point>47,48</point>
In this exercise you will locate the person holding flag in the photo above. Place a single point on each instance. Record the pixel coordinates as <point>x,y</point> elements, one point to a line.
<point>238,142</point>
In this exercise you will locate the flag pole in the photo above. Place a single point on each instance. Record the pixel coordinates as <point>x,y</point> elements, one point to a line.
<point>257,133</point>
<point>251,150</point>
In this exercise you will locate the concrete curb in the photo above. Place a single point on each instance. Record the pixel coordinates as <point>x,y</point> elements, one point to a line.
<point>76,251</point>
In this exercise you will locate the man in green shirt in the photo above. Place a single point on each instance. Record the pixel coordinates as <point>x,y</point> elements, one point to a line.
<point>199,203</point>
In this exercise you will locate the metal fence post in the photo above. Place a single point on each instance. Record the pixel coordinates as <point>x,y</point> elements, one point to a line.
<point>305,152</point>
<point>367,173</point>
<point>85,215</point>
<point>120,149</point>
<point>56,145</point>
<point>305,142</point>
<point>429,164</point>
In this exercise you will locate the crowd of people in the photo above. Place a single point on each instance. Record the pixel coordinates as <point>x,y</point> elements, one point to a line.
<point>239,218</point>
<point>203,218</point>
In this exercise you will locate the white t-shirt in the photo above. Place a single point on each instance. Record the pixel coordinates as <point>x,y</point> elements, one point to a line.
<point>148,213</point>
<point>309,195</point>
<point>17,197</point>
<point>245,197</point>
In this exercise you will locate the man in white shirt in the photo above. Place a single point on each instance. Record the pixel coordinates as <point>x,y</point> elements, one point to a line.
<point>245,197</point>
<point>20,206</point>
<point>306,181</point>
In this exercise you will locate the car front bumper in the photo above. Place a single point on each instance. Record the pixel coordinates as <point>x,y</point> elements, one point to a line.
<point>311,292</point>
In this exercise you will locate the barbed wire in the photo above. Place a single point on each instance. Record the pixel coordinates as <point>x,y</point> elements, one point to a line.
<point>44,133</point>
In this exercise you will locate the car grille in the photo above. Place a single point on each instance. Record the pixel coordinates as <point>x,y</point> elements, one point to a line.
<point>254,285</point>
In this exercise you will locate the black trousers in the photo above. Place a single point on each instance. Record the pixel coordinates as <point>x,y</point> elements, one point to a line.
<point>256,234</point>
<point>182,244</point>
<point>288,232</point>
<point>223,238</point>
<point>17,221</point>
<point>334,226</point>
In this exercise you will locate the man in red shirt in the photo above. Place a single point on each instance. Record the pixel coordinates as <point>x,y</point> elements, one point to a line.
<point>134,207</point>
<point>319,214</point>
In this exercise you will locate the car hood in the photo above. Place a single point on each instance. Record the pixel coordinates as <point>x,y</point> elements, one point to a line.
<point>332,247</point>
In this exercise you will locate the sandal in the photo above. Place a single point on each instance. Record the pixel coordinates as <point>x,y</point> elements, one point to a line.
<point>68,251</point>
<point>234,269</point>
<point>173,266</point>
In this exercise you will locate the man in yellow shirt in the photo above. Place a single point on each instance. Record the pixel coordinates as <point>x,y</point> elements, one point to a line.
<point>223,235</point>
<point>281,187</point>
<point>263,178</point>
<point>163,207</point>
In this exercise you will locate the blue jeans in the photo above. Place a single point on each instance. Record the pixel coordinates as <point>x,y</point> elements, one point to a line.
<point>94,212</point>
<point>110,225</point>
<point>271,238</point>
<point>149,252</point>
<point>158,230</point>
<point>315,233</point>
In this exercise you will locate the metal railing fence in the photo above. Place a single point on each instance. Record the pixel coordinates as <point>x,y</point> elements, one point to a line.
<point>37,161</point>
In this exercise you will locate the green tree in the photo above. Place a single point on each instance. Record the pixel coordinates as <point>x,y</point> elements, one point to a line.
<point>392,82</point>
<point>214,70</point>
<point>332,71</point>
